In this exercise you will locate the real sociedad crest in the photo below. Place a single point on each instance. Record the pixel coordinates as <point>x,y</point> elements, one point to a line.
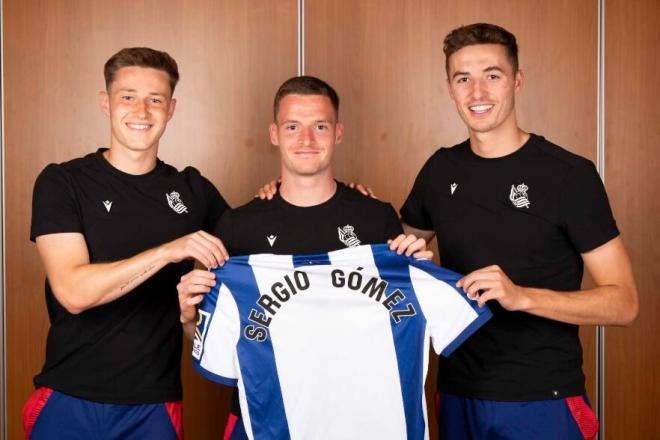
<point>518,196</point>
<point>347,236</point>
<point>174,200</point>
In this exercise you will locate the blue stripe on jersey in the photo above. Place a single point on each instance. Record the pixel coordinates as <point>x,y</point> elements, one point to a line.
<point>408,337</point>
<point>209,305</point>
<point>451,278</point>
<point>309,260</point>
<point>262,386</point>
<point>212,376</point>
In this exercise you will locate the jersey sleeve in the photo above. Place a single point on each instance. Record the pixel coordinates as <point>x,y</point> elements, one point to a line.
<point>55,208</point>
<point>216,335</point>
<point>451,316</point>
<point>584,209</point>
<point>414,211</point>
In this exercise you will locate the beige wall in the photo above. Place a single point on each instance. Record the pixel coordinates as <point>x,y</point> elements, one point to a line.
<point>385,58</point>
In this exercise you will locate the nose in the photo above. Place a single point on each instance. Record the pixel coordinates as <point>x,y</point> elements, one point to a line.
<point>478,89</point>
<point>307,136</point>
<point>141,109</point>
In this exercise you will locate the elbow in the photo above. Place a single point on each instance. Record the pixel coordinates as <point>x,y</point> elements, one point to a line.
<point>69,299</point>
<point>631,310</point>
<point>630,315</point>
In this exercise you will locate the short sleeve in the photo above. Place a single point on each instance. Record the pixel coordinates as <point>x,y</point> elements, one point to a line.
<point>222,228</point>
<point>216,206</point>
<point>585,211</point>
<point>55,208</point>
<point>216,335</point>
<point>414,211</point>
<point>392,223</point>
<point>451,316</point>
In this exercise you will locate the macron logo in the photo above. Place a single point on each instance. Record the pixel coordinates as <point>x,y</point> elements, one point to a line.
<point>271,239</point>
<point>453,187</point>
<point>108,205</point>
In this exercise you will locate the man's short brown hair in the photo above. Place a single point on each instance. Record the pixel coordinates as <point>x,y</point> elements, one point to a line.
<point>305,85</point>
<point>481,33</point>
<point>141,57</point>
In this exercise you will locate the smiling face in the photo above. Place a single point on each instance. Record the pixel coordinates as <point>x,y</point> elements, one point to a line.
<point>306,132</point>
<point>483,86</point>
<point>139,104</point>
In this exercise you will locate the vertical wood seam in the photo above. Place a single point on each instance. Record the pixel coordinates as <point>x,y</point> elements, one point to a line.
<point>600,165</point>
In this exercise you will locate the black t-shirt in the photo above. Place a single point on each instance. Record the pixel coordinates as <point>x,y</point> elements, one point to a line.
<point>128,350</point>
<point>533,213</point>
<point>348,218</point>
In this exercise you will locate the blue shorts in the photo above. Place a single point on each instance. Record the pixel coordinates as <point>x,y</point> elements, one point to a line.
<point>567,419</point>
<point>49,414</point>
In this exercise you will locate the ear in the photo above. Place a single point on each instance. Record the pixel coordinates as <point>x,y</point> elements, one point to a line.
<point>170,111</point>
<point>104,102</point>
<point>339,133</point>
<point>272,130</point>
<point>518,81</point>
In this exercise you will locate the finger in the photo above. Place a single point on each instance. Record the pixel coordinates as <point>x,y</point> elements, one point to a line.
<point>394,244</point>
<point>423,255</point>
<point>201,253</point>
<point>194,300</point>
<point>479,287</point>
<point>405,243</point>
<point>485,273</point>
<point>416,246</point>
<point>198,273</point>
<point>363,189</point>
<point>213,247</point>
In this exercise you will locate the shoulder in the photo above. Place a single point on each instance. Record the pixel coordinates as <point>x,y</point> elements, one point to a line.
<point>353,197</point>
<point>557,156</point>
<point>448,153</point>
<point>190,175</point>
<point>254,207</point>
<point>66,171</point>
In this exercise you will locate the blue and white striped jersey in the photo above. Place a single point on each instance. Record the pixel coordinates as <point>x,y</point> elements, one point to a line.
<point>331,345</point>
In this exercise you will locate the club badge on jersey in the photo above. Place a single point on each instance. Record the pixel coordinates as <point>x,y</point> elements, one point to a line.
<point>518,196</point>
<point>347,236</point>
<point>174,200</point>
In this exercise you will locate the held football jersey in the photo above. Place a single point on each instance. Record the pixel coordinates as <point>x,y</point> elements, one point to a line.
<point>332,345</point>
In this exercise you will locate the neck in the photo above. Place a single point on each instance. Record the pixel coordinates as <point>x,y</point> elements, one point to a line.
<point>307,190</point>
<point>502,141</point>
<point>132,162</point>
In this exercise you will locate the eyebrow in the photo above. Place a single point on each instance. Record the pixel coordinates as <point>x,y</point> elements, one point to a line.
<point>294,121</point>
<point>491,68</point>
<point>135,91</point>
<point>487,69</point>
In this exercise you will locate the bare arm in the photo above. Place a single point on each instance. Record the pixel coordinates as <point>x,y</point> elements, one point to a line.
<point>80,285</point>
<point>613,301</point>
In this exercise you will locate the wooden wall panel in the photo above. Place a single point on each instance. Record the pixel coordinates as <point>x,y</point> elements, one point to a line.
<point>385,59</point>
<point>632,161</point>
<point>231,55</point>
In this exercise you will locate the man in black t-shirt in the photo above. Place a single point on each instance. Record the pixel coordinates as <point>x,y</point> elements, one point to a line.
<point>311,212</point>
<point>113,229</point>
<point>521,217</point>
